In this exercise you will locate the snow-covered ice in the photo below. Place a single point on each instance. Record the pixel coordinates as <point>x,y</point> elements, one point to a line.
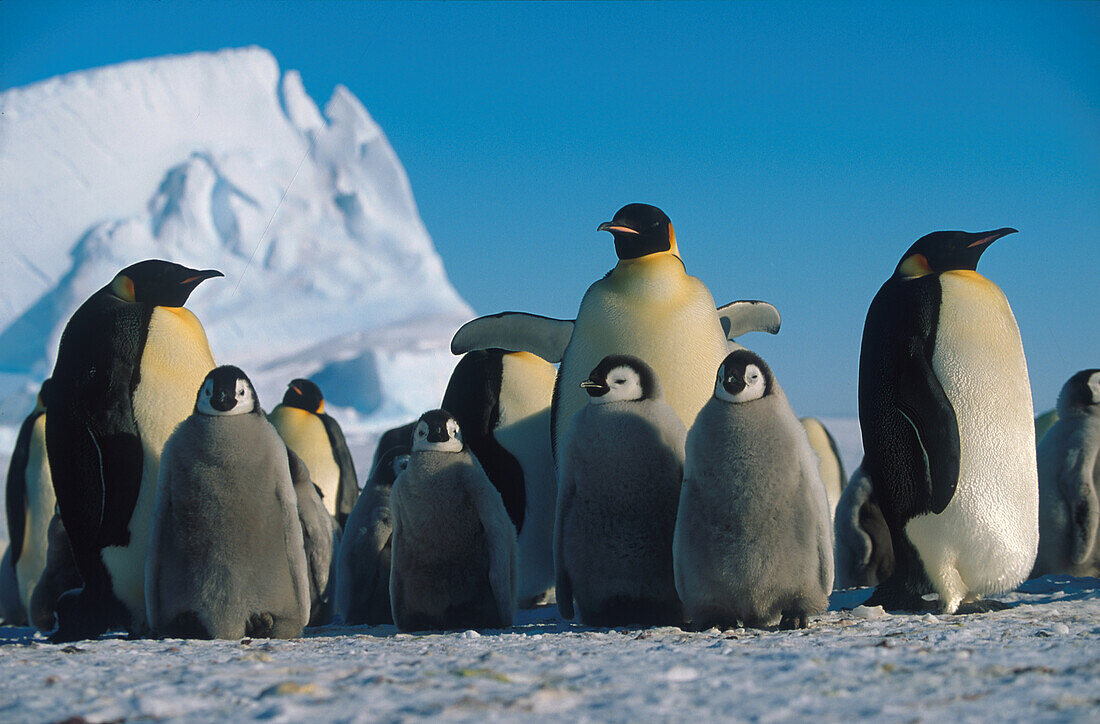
<point>1039,660</point>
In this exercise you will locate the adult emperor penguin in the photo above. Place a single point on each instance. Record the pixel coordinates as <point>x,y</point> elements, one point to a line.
<point>753,539</point>
<point>226,553</point>
<point>30,500</point>
<point>864,555</point>
<point>949,440</point>
<point>363,565</point>
<point>829,463</point>
<point>129,362</point>
<point>1069,482</point>
<point>317,439</point>
<point>623,463</point>
<point>453,547</point>
<point>501,401</point>
<point>647,306</point>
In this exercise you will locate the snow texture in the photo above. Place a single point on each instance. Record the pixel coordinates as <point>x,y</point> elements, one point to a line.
<point>1039,660</point>
<point>219,160</point>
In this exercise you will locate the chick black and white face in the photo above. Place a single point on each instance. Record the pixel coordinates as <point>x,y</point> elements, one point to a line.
<point>743,377</point>
<point>226,391</point>
<point>623,384</point>
<point>437,431</point>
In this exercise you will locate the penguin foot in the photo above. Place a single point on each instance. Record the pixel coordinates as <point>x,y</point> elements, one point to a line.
<point>79,618</point>
<point>981,605</point>
<point>260,626</point>
<point>793,620</point>
<point>892,599</point>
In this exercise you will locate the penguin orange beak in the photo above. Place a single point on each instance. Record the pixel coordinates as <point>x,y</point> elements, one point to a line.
<point>992,236</point>
<point>609,226</point>
<point>202,276</point>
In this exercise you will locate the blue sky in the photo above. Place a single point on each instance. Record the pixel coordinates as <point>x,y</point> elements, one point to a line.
<point>798,148</point>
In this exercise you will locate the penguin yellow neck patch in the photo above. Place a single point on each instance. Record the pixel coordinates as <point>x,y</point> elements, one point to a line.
<point>914,266</point>
<point>122,287</point>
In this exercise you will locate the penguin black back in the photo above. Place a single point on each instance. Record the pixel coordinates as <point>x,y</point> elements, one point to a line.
<point>473,398</point>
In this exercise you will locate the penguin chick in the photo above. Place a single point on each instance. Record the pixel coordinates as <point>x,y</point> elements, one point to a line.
<point>1069,482</point>
<point>321,537</point>
<point>623,461</point>
<point>864,554</point>
<point>59,575</point>
<point>363,566</point>
<point>753,540</point>
<point>226,556</point>
<point>453,546</point>
<point>319,441</point>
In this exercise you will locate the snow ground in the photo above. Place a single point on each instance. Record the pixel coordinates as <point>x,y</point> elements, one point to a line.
<point>1039,660</point>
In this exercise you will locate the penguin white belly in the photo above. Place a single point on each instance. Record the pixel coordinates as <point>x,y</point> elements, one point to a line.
<point>304,433</point>
<point>986,539</point>
<point>527,387</point>
<point>671,323</point>
<point>40,508</point>
<point>174,363</point>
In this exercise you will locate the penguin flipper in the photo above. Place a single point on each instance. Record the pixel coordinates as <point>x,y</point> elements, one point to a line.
<point>1079,492</point>
<point>748,315</point>
<point>563,586</point>
<point>348,488</point>
<point>501,536</point>
<point>921,400</point>
<point>515,332</point>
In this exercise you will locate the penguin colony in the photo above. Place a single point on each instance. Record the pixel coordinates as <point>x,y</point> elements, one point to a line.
<point>657,476</point>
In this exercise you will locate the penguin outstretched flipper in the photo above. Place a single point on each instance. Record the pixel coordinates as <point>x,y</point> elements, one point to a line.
<point>748,315</point>
<point>921,400</point>
<point>515,332</point>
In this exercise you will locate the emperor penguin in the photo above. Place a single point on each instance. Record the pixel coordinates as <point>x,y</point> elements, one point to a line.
<point>321,536</point>
<point>1069,482</point>
<point>129,362</point>
<point>58,576</point>
<point>363,566</point>
<point>226,552</point>
<point>948,435</point>
<point>11,606</point>
<point>623,462</point>
<point>829,463</point>
<point>453,550</point>
<point>646,306</point>
<point>30,500</point>
<point>753,540</point>
<point>318,440</point>
<point>864,555</point>
<point>501,401</point>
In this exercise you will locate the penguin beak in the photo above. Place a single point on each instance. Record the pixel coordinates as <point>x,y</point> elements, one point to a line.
<point>595,389</point>
<point>610,226</point>
<point>991,236</point>
<point>438,434</point>
<point>223,401</point>
<point>200,276</point>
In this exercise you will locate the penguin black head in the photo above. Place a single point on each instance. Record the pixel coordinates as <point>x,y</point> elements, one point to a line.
<point>743,377</point>
<point>159,283</point>
<point>437,430</point>
<point>943,251</point>
<point>640,230</point>
<point>622,378</point>
<point>227,391</point>
<point>1080,393</point>
<point>305,395</point>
